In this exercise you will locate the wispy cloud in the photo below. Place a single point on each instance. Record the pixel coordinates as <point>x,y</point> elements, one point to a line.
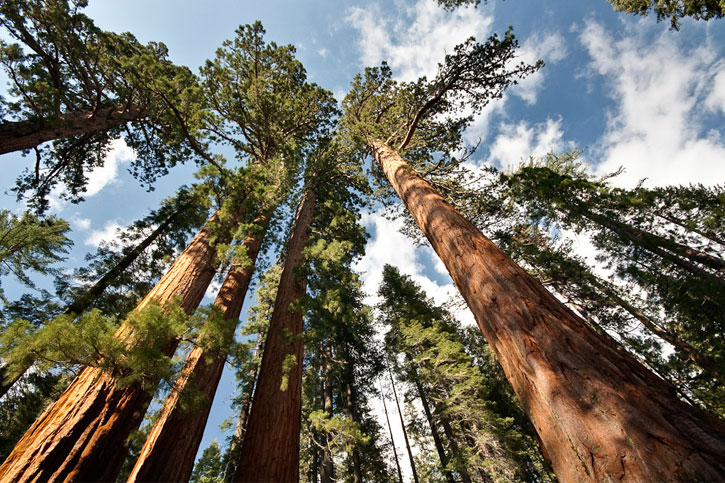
<point>662,91</point>
<point>417,39</point>
<point>517,142</point>
<point>549,47</point>
<point>108,233</point>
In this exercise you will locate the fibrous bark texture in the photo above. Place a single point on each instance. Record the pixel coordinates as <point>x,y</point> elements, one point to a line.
<point>82,436</point>
<point>271,446</point>
<point>601,415</point>
<point>15,136</point>
<point>168,454</point>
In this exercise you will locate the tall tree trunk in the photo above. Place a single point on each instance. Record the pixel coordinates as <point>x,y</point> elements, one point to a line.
<point>392,440</point>
<point>82,436</point>
<point>405,432</point>
<point>433,428</point>
<point>84,301</point>
<point>168,454</point>
<point>236,444</point>
<point>660,246</point>
<point>15,136</point>
<point>271,447</point>
<point>695,355</point>
<point>327,475</point>
<point>315,457</point>
<point>351,412</point>
<point>601,415</point>
<point>452,441</point>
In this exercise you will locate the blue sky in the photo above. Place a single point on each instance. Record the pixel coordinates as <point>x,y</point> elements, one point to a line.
<point>628,89</point>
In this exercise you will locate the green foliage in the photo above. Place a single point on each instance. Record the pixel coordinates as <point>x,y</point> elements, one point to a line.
<point>209,468</point>
<point>673,9</point>
<point>288,365</point>
<point>91,341</point>
<point>453,4</point>
<point>30,244</point>
<point>425,119</point>
<point>487,433</point>
<point>62,67</point>
<point>263,105</point>
<point>665,244</point>
<point>122,271</point>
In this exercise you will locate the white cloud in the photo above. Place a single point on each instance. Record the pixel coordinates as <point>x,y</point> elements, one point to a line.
<point>418,39</point>
<point>661,90</point>
<point>108,233</point>
<point>81,223</point>
<point>212,290</point>
<point>550,48</point>
<point>716,98</point>
<point>322,52</point>
<point>99,178</point>
<point>517,142</point>
<point>389,246</point>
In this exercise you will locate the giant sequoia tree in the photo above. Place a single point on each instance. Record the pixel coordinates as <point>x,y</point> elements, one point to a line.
<point>570,380</point>
<point>266,110</point>
<point>270,450</point>
<point>82,435</point>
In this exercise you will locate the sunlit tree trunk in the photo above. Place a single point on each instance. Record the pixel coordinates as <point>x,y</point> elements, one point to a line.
<point>271,446</point>
<point>15,136</point>
<point>82,436</point>
<point>168,454</point>
<point>600,414</point>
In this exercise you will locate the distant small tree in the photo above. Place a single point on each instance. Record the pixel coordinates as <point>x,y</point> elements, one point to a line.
<point>209,468</point>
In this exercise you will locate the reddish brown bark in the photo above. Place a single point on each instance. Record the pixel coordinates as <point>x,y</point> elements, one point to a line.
<point>168,454</point>
<point>271,446</point>
<point>82,436</point>
<point>15,136</point>
<point>600,414</point>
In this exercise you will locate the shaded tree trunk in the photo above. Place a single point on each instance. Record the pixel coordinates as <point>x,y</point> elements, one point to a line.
<point>659,245</point>
<point>327,475</point>
<point>351,412</point>
<point>236,444</point>
<point>15,136</point>
<point>392,440</point>
<point>405,432</point>
<point>82,436</point>
<point>433,428</point>
<point>271,447</point>
<point>168,454</point>
<point>452,441</point>
<point>601,415</point>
